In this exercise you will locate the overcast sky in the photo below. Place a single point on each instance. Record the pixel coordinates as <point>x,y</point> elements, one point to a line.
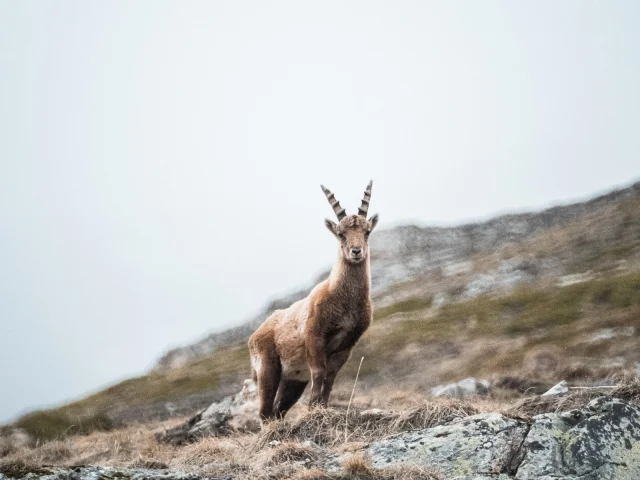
<point>160,161</point>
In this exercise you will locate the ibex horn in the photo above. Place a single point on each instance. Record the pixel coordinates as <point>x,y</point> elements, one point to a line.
<point>364,208</point>
<point>340,212</point>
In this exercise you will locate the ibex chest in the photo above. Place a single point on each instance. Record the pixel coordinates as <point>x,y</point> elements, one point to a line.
<point>341,334</point>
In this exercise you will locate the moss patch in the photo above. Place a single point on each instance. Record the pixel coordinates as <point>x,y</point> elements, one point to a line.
<point>59,423</point>
<point>409,305</point>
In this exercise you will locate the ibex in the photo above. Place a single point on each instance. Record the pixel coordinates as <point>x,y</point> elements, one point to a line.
<point>312,339</point>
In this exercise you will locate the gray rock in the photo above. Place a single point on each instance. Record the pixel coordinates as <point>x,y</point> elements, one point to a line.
<point>464,388</point>
<point>559,389</point>
<point>606,444</point>
<point>543,447</point>
<point>481,445</point>
<point>598,442</point>
<point>100,473</point>
<point>238,413</point>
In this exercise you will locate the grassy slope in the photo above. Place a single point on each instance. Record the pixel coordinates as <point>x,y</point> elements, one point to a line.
<point>404,339</point>
<point>227,365</point>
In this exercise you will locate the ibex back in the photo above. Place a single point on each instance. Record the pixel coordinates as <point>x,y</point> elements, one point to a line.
<point>312,339</point>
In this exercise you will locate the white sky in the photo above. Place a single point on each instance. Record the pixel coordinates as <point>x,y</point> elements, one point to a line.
<point>160,161</point>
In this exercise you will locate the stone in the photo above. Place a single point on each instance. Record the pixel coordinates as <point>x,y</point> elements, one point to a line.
<point>607,443</point>
<point>464,388</point>
<point>237,413</point>
<point>477,446</point>
<point>559,389</point>
<point>601,441</point>
<point>100,473</point>
<point>543,447</point>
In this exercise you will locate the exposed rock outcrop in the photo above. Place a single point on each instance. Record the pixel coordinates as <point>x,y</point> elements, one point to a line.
<point>485,444</point>
<point>600,441</point>
<point>237,413</point>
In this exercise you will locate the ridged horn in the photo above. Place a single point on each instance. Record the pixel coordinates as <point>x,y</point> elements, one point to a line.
<point>364,208</point>
<point>335,204</point>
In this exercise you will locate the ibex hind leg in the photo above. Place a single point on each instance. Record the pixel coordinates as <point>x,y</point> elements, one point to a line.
<point>289,393</point>
<point>268,372</point>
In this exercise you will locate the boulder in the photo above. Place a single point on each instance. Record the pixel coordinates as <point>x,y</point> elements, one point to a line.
<point>237,413</point>
<point>464,388</point>
<point>599,441</point>
<point>559,389</point>
<point>481,445</point>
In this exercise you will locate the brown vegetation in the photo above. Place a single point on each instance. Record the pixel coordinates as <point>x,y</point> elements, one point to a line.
<point>290,448</point>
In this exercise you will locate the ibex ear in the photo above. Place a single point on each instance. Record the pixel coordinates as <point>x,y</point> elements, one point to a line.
<point>373,221</point>
<point>331,226</point>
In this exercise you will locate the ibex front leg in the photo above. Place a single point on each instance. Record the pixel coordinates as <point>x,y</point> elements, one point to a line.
<point>317,359</point>
<point>334,364</point>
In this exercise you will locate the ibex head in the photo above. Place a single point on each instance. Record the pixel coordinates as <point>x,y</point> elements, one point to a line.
<point>352,230</point>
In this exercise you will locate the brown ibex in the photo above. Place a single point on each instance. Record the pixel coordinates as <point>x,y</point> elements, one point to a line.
<point>312,339</point>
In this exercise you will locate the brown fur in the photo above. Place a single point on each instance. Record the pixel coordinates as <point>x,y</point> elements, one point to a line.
<point>312,339</point>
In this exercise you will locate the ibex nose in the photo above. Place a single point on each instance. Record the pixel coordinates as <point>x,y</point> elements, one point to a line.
<point>356,251</point>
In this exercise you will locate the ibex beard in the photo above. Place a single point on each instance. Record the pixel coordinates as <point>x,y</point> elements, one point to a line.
<point>312,339</point>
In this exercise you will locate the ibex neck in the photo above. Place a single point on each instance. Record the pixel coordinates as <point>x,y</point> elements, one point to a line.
<point>350,278</point>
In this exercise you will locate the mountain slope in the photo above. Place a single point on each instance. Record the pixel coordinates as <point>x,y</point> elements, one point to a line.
<point>411,255</point>
<point>533,296</point>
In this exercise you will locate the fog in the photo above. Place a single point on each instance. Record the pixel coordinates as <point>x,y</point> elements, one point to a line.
<point>160,162</point>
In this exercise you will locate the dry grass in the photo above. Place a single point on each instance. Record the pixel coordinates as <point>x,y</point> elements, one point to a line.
<point>291,448</point>
<point>288,452</point>
<point>283,450</point>
<point>535,405</point>
<point>133,446</point>
<point>327,426</point>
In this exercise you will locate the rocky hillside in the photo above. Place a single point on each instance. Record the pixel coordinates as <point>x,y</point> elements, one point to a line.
<point>451,264</point>
<point>521,300</point>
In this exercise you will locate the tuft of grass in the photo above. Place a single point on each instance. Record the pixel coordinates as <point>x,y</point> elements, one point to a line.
<point>357,465</point>
<point>530,406</point>
<point>326,426</point>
